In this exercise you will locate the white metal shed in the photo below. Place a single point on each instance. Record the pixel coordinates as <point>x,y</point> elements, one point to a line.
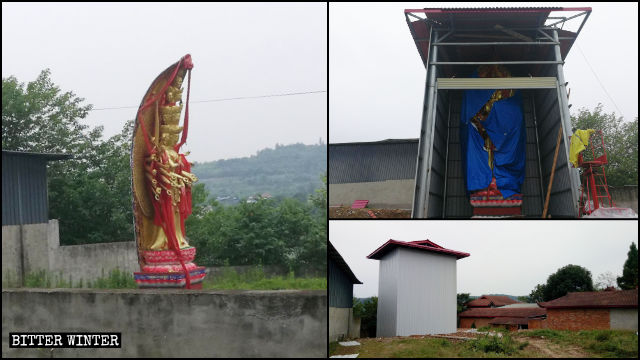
<point>417,288</point>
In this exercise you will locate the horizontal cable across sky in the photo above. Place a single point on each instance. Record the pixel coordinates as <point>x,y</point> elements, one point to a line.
<point>226,99</point>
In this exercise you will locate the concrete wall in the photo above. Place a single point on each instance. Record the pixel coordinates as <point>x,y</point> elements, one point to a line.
<point>34,247</point>
<point>625,196</point>
<point>173,323</point>
<point>342,324</point>
<point>339,322</point>
<point>389,194</point>
<point>624,319</point>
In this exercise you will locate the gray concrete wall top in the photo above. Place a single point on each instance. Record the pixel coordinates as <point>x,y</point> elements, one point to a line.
<point>173,323</point>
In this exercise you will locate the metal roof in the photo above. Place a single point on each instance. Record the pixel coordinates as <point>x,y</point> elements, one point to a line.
<point>392,159</point>
<point>525,20</point>
<point>424,245</point>
<point>595,299</point>
<point>503,312</point>
<point>335,255</point>
<point>47,156</point>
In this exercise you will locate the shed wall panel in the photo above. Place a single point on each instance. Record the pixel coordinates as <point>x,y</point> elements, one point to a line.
<point>340,287</point>
<point>387,295</point>
<point>368,162</point>
<point>426,286</point>
<point>24,190</point>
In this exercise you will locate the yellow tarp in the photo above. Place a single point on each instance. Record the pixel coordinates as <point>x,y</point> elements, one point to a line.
<point>579,142</point>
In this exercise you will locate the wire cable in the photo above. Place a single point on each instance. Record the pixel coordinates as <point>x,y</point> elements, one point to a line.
<point>224,99</point>
<point>597,78</point>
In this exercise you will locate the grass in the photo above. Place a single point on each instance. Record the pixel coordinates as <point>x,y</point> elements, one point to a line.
<point>601,343</point>
<point>252,279</point>
<point>255,279</point>
<point>563,343</point>
<point>116,279</point>
<point>417,347</point>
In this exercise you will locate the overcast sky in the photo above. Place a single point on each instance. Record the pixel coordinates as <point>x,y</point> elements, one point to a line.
<point>507,257</point>
<point>110,53</point>
<point>377,77</point>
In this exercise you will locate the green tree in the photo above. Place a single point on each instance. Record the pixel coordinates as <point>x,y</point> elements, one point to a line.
<point>621,141</point>
<point>537,294</point>
<point>368,313</point>
<point>570,278</point>
<point>462,299</point>
<point>90,193</point>
<point>629,278</point>
<point>524,299</point>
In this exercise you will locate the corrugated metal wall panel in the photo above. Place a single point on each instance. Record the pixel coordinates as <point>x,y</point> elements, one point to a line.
<point>497,83</point>
<point>426,286</point>
<point>24,190</point>
<point>340,287</point>
<point>456,203</point>
<point>561,202</point>
<point>368,162</point>
<point>386,323</point>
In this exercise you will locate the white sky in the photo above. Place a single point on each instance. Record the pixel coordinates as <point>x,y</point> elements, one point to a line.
<point>377,77</point>
<point>110,53</point>
<point>507,257</point>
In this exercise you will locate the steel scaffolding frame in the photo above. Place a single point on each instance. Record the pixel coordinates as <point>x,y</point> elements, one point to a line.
<point>428,121</point>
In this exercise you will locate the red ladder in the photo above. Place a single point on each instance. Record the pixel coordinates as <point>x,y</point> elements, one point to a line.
<point>594,190</point>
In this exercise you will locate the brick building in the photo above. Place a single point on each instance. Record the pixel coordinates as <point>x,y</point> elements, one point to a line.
<point>512,317</point>
<point>613,309</point>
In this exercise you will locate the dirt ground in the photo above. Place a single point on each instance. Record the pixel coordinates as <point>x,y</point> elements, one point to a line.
<point>550,350</point>
<point>345,212</point>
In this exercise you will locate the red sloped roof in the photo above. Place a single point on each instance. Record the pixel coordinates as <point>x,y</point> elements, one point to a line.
<point>479,303</point>
<point>502,312</point>
<point>497,300</point>
<point>424,245</point>
<point>595,299</point>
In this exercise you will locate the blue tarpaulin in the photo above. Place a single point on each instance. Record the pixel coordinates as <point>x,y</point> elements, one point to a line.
<point>506,128</point>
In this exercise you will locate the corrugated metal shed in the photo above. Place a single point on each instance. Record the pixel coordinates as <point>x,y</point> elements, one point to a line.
<point>341,280</point>
<point>372,161</point>
<point>24,187</point>
<point>417,289</point>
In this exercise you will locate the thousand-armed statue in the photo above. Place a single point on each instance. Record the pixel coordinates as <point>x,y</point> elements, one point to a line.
<point>161,184</point>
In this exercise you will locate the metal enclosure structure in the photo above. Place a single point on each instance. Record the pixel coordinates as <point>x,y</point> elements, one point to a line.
<point>24,187</point>
<point>533,45</point>
<point>341,280</point>
<point>417,288</point>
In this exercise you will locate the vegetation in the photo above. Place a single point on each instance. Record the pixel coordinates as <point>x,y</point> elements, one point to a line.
<point>621,141</point>
<point>367,311</point>
<point>629,278</point>
<point>529,343</point>
<point>268,232</point>
<point>116,279</point>
<point>601,343</point>
<point>89,194</point>
<point>286,171</point>
<point>255,279</point>
<point>570,278</point>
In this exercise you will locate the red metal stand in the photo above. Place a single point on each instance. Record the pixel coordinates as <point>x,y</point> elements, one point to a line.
<point>594,190</point>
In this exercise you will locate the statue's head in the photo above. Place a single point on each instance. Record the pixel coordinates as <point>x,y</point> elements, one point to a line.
<point>168,139</point>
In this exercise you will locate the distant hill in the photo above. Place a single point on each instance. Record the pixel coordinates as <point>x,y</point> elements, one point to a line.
<point>286,171</point>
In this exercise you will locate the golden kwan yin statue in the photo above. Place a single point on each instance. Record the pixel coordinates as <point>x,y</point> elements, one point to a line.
<point>161,184</point>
